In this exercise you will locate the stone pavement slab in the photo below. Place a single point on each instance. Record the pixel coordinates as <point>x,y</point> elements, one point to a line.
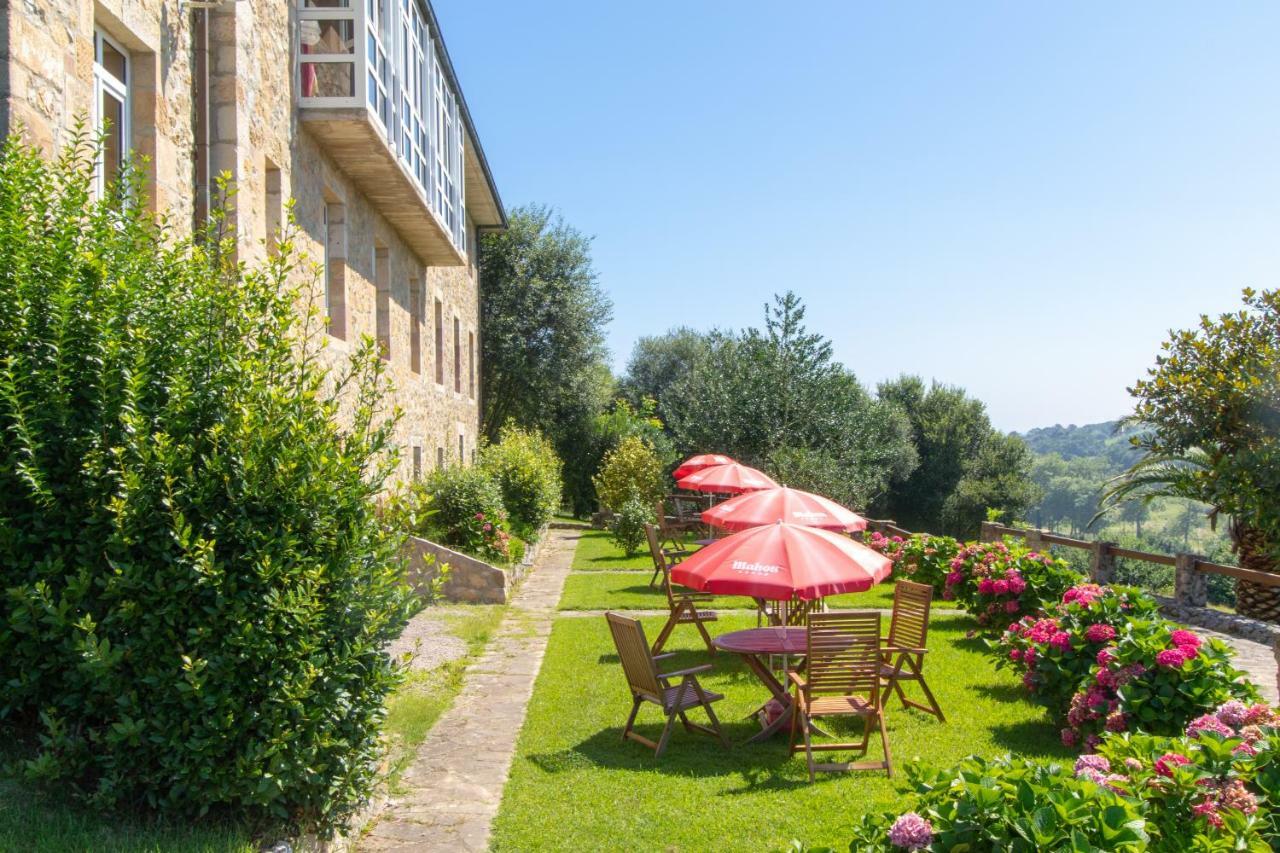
<point>454,785</point>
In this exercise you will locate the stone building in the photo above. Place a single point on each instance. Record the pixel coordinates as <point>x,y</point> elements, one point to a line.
<point>349,107</point>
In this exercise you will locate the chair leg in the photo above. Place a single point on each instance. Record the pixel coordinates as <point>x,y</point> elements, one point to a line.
<point>933,703</point>
<point>795,721</point>
<point>884,740</point>
<point>631,719</point>
<point>706,637</point>
<point>657,572</point>
<point>665,633</point>
<point>808,749</point>
<point>715,724</point>
<point>666,735</point>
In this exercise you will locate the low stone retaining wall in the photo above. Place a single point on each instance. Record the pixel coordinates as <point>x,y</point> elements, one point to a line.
<point>470,581</point>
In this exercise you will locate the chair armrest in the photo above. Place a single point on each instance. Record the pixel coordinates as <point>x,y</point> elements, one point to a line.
<point>902,649</point>
<point>796,678</point>
<point>693,670</point>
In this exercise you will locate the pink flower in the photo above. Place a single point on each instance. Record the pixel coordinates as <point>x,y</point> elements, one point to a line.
<point>1133,764</point>
<point>1171,658</point>
<point>1061,641</point>
<point>1091,741</point>
<point>1015,655</point>
<point>1260,714</point>
<point>1029,680</point>
<point>488,528</point>
<point>1208,810</point>
<point>1000,587</point>
<point>911,832</point>
<point>1164,764</point>
<point>1085,594</point>
<point>1017,585</point>
<point>1029,657</point>
<point>479,516</point>
<point>1117,722</point>
<point>1069,737</point>
<point>1208,723</point>
<point>1234,795</point>
<point>1183,637</point>
<point>1106,656</point>
<point>1105,678</point>
<point>955,579</point>
<point>1099,633</point>
<point>1097,763</point>
<point>984,586</point>
<point>1232,713</point>
<point>1012,606</point>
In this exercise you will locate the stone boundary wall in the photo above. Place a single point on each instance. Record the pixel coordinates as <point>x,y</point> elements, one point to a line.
<point>470,581</point>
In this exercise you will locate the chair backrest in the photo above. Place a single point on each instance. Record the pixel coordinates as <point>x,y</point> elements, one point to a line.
<point>793,613</point>
<point>659,561</point>
<point>910,624</point>
<point>633,652</point>
<point>844,655</point>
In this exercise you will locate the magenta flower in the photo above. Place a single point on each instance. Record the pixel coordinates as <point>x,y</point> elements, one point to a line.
<point>1182,637</point>
<point>1012,606</point>
<point>1015,655</point>
<point>1117,722</point>
<point>985,586</point>
<point>1069,737</point>
<point>1061,641</point>
<point>1000,587</point>
<point>1133,764</point>
<point>1260,714</point>
<point>911,832</point>
<point>1208,810</point>
<point>1164,764</point>
<point>1099,633</point>
<point>1097,763</point>
<point>1171,658</point>
<point>479,516</point>
<point>1232,713</point>
<point>1209,723</point>
<point>1106,656</point>
<point>1017,585</point>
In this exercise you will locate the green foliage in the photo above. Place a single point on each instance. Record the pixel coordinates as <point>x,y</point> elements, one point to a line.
<point>607,430</point>
<point>630,472</point>
<point>659,362</point>
<point>542,322</point>
<point>965,466</point>
<point>197,590</point>
<point>628,525</point>
<point>468,512</point>
<point>527,471</point>
<point>775,396</point>
<point>999,582</point>
<point>920,558</point>
<point>1011,804</point>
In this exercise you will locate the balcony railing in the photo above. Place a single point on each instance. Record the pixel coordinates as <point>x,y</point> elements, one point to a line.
<point>380,56</point>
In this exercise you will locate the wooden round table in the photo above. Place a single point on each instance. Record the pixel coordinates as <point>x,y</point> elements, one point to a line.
<point>754,645</point>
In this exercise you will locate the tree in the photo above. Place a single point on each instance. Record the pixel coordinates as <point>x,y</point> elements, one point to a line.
<point>1210,409</point>
<point>659,362</point>
<point>542,321</point>
<point>955,442</point>
<point>763,394</point>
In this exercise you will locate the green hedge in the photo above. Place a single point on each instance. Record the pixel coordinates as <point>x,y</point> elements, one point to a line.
<point>196,590</point>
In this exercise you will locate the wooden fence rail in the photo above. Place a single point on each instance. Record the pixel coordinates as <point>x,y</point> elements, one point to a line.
<point>1189,569</point>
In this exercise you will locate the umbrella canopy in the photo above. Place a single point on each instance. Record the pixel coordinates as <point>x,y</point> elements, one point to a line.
<point>782,561</point>
<point>767,506</point>
<point>731,479</point>
<point>697,463</point>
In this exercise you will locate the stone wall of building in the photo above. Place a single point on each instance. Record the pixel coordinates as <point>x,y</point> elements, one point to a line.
<point>257,139</point>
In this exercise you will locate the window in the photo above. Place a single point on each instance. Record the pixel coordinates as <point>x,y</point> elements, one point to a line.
<point>471,364</point>
<point>415,324</point>
<point>335,268</point>
<point>439,342</point>
<point>417,463</point>
<point>382,282</point>
<point>273,206</point>
<point>457,355</point>
<point>439,457</point>
<point>462,449</point>
<point>111,106</point>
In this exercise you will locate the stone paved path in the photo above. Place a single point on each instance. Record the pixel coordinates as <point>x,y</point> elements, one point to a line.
<point>1256,659</point>
<point>455,784</point>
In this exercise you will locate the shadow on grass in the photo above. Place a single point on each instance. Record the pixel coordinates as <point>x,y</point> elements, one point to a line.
<point>1030,736</point>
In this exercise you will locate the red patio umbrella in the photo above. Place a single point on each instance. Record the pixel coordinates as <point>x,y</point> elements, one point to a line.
<point>782,561</point>
<point>732,479</point>
<point>697,463</point>
<point>767,506</point>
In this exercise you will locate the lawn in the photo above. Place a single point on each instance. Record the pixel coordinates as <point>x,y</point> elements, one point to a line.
<point>576,785</point>
<point>596,552</point>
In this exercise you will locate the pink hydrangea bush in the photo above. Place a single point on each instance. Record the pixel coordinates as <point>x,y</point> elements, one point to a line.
<point>921,558</point>
<point>1153,677</point>
<point>1056,650</point>
<point>1000,583</point>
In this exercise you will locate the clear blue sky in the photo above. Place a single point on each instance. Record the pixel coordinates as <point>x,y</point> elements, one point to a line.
<point>1019,198</point>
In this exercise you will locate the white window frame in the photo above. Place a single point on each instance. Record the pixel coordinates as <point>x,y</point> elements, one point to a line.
<point>106,83</point>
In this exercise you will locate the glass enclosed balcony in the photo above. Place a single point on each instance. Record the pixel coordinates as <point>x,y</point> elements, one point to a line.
<point>372,90</point>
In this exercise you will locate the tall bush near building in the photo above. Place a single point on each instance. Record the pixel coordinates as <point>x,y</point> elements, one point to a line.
<point>197,591</point>
<point>527,470</point>
<point>631,471</point>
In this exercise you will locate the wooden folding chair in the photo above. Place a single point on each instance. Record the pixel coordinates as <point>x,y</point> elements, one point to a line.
<point>902,658</point>
<point>791,614</point>
<point>682,605</point>
<point>668,556</point>
<point>648,685</point>
<point>841,679</point>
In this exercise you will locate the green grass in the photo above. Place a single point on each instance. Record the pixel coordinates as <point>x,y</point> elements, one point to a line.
<point>597,553</point>
<point>576,785</point>
<point>37,822</point>
<point>424,696</point>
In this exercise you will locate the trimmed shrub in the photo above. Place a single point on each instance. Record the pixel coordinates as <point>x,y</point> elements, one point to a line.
<point>525,467</point>
<point>631,471</point>
<point>197,590</point>
<point>469,514</point>
<point>628,526</point>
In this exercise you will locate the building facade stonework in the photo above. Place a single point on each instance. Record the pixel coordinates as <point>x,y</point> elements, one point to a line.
<point>349,108</point>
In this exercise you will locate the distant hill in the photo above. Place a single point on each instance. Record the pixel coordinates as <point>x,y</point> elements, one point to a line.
<point>1108,440</point>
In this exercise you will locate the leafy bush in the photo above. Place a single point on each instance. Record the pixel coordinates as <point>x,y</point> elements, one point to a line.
<point>1006,804</point>
<point>628,525</point>
<point>1056,649</point>
<point>197,591</point>
<point>921,558</point>
<point>469,513</point>
<point>999,583</point>
<point>527,471</point>
<point>631,471</point>
<point>1155,678</point>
